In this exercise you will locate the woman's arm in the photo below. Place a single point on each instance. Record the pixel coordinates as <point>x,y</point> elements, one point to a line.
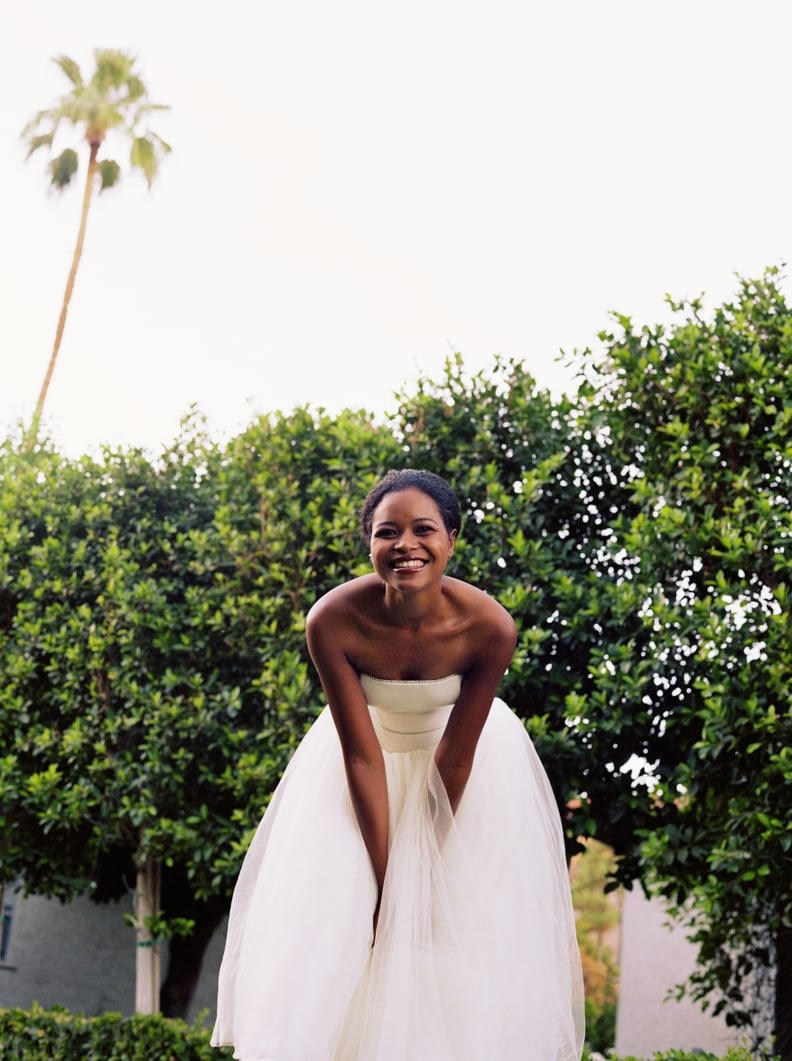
<point>457,747</point>
<point>363,760</point>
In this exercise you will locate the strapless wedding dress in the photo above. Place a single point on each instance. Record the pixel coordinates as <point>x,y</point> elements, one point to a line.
<point>475,957</point>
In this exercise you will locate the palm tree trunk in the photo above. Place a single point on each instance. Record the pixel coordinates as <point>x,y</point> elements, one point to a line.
<point>78,249</point>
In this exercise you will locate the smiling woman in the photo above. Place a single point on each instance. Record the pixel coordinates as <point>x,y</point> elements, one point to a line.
<point>405,897</point>
<point>409,538</point>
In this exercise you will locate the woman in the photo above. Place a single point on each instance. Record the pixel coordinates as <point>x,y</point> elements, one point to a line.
<point>405,897</point>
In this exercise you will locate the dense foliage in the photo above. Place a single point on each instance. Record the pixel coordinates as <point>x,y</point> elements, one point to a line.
<point>735,1053</point>
<point>539,500</point>
<point>155,678</point>
<point>597,915</point>
<point>43,1034</point>
<point>698,420</point>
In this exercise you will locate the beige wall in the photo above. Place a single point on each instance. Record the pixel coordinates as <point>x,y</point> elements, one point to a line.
<point>653,959</point>
<point>82,956</point>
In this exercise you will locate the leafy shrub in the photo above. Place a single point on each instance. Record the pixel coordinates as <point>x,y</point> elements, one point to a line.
<point>597,911</point>
<point>41,1034</point>
<point>600,1025</point>
<point>732,1054</point>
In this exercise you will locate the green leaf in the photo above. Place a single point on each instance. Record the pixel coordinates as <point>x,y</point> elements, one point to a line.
<point>109,174</point>
<point>63,169</point>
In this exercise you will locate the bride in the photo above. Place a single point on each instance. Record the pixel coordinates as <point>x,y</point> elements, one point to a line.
<point>405,897</point>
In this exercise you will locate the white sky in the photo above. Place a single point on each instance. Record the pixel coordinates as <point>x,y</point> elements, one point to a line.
<point>357,190</point>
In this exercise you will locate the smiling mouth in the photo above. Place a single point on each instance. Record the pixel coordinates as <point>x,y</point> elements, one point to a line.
<point>410,565</point>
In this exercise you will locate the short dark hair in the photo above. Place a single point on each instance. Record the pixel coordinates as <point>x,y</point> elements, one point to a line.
<point>403,479</point>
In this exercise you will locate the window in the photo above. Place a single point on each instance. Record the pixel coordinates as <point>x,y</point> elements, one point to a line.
<point>7,900</point>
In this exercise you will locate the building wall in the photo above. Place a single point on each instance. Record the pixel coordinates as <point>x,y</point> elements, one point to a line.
<point>654,958</point>
<point>82,956</point>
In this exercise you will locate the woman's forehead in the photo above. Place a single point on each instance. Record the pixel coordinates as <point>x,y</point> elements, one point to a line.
<point>411,502</point>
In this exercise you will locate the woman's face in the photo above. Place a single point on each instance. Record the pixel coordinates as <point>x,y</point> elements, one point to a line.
<point>410,546</point>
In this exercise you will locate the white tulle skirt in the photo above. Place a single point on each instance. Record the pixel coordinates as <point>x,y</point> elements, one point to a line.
<point>475,957</point>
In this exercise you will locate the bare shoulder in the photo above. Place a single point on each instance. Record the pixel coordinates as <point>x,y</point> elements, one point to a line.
<point>490,619</point>
<point>343,602</point>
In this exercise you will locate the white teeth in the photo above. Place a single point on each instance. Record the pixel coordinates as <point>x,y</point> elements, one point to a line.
<point>409,563</point>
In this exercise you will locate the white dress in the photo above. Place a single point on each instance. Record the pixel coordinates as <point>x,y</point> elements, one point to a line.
<point>475,957</point>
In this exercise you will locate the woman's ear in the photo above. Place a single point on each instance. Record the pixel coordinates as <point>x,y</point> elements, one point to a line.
<point>452,536</point>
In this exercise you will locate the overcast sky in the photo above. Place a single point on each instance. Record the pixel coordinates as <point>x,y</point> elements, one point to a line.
<point>357,190</point>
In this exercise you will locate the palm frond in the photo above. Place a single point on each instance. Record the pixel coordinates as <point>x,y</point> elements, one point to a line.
<point>144,156</point>
<point>144,110</point>
<point>114,69</point>
<point>109,174</point>
<point>135,88</point>
<point>37,120</point>
<point>71,69</point>
<point>63,169</point>
<point>162,145</point>
<point>43,140</point>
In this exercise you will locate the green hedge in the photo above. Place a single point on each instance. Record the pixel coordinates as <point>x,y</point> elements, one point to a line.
<point>732,1054</point>
<point>55,1034</point>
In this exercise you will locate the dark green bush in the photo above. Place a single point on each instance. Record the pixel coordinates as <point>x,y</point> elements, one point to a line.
<point>732,1054</point>
<point>55,1034</point>
<point>600,1025</point>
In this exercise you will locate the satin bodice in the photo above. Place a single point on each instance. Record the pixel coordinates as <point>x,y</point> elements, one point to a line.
<point>409,715</point>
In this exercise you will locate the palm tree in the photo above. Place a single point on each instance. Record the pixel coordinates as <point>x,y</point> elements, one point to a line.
<point>114,100</point>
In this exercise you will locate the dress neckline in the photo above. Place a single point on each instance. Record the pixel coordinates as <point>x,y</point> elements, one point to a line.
<point>409,681</point>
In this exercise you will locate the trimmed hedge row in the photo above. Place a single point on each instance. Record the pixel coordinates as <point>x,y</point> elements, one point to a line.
<point>732,1054</point>
<point>56,1034</point>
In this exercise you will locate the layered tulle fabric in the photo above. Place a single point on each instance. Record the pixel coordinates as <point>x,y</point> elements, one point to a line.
<point>475,957</point>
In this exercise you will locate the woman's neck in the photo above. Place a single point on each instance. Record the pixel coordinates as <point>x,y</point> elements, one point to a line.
<point>412,609</point>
